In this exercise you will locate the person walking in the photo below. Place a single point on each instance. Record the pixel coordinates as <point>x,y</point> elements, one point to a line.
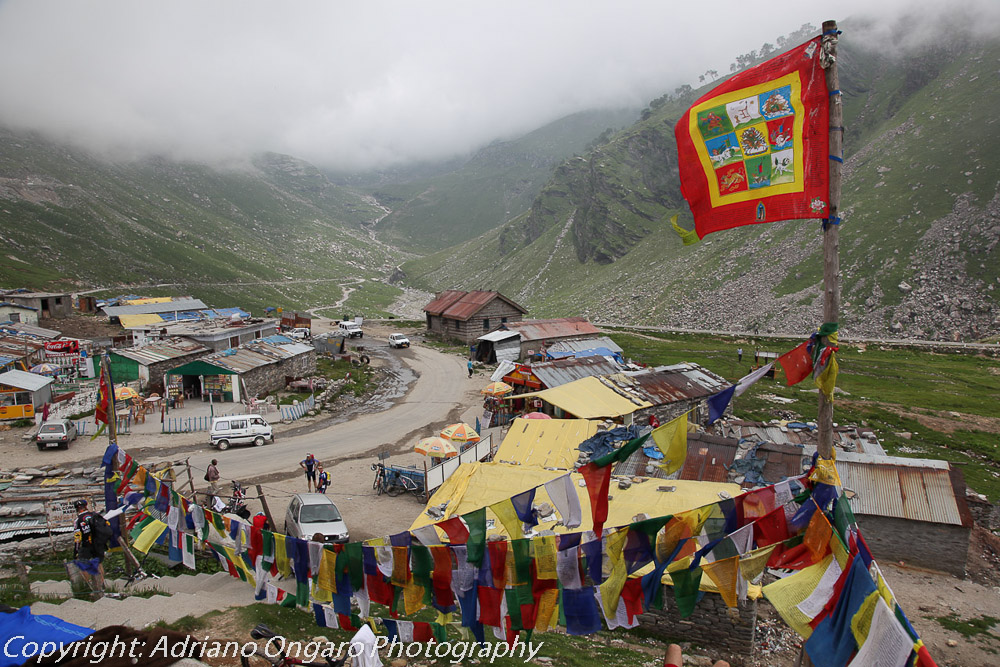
<point>739,354</point>
<point>469,365</point>
<point>91,533</point>
<point>212,476</point>
<point>309,464</point>
<point>322,479</point>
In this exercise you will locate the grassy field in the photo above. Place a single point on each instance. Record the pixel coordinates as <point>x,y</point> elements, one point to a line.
<point>945,402</point>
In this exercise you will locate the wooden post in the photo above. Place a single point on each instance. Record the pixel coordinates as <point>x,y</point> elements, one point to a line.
<point>267,510</point>
<point>190,481</point>
<point>831,235</point>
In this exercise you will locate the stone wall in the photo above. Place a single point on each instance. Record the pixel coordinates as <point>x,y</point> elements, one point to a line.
<point>712,624</point>
<point>272,377</point>
<point>936,546</point>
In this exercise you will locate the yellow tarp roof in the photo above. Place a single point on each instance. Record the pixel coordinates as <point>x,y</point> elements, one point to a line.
<point>152,299</point>
<point>139,320</point>
<point>588,398</point>
<point>476,485</point>
<point>546,443</point>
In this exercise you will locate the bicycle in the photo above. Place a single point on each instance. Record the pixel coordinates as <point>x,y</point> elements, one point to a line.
<point>259,658</point>
<point>394,481</point>
<point>379,484</point>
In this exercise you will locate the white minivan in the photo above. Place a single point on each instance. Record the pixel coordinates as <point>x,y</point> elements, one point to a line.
<point>351,329</point>
<point>240,430</point>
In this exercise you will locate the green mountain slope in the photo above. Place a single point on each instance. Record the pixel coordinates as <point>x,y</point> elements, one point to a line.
<point>246,234</point>
<point>918,243</point>
<point>494,185</point>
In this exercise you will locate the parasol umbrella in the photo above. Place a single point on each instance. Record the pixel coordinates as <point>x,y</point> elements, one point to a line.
<point>460,432</point>
<point>536,415</point>
<point>125,393</point>
<point>497,389</point>
<point>436,446</point>
<point>45,369</point>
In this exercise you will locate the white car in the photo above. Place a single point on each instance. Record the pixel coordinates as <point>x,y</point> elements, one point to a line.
<point>311,513</point>
<point>398,340</point>
<point>300,333</point>
<point>351,329</point>
<point>240,430</point>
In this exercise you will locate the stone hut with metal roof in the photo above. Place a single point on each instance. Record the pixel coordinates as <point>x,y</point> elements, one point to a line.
<point>151,362</point>
<point>464,316</point>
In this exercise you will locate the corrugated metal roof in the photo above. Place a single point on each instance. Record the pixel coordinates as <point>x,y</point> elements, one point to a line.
<point>585,344</point>
<point>164,307</point>
<point>443,300</point>
<point>11,304</point>
<point>670,384</point>
<point>708,458</point>
<point>847,438</point>
<point>254,355</point>
<point>30,330</point>
<point>555,373</point>
<point>22,380</point>
<point>161,351</point>
<point>501,334</point>
<point>563,327</point>
<point>896,487</point>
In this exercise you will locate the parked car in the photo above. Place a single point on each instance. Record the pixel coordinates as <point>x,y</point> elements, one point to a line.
<point>312,513</point>
<point>56,434</point>
<point>300,333</point>
<point>398,340</point>
<point>240,430</point>
<point>351,328</point>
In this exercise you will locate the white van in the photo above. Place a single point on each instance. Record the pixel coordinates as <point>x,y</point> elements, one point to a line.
<point>352,329</point>
<point>240,430</point>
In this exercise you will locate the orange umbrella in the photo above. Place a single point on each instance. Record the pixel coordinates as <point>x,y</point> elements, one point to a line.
<point>497,389</point>
<point>436,446</point>
<point>460,432</point>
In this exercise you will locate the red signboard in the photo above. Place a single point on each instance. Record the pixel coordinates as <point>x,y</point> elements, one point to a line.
<point>63,346</point>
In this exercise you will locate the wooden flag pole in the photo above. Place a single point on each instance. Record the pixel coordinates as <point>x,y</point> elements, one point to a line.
<point>831,234</point>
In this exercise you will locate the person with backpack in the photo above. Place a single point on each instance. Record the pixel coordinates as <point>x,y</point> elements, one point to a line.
<point>322,479</point>
<point>91,534</point>
<point>212,477</point>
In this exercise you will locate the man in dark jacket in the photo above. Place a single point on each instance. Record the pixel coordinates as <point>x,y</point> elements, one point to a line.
<point>91,533</point>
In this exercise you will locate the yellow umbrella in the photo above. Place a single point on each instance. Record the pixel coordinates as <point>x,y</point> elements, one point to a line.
<point>497,389</point>
<point>436,446</point>
<point>125,393</point>
<point>460,432</point>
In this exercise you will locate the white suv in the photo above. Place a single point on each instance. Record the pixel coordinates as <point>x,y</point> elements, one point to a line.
<point>352,329</point>
<point>398,340</point>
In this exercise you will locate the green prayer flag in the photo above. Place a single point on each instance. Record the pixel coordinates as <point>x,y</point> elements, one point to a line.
<point>355,565</point>
<point>421,564</point>
<point>686,583</point>
<point>522,560</point>
<point>621,453</point>
<point>476,546</point>
<point>514,609</point>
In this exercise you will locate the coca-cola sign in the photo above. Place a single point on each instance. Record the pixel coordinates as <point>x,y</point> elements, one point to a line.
<point>63,346</point>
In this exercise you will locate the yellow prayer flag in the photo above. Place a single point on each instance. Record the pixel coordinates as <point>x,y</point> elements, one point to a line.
<point>861,623</point>
<point>545,557</point>
<point>671,439</point>
<point>281,557</point>
<point>147,538</point>
<point>611,589</point>
<point>825,471</point>
<point>548,610</point>
<point>725,574</point>
<point>327,579</point>
<point>400,566</point>
<point>752,563</point>
<point>785,594</point>
<point>413,597</point>
<point>504,510</point>
<point>827,380</point>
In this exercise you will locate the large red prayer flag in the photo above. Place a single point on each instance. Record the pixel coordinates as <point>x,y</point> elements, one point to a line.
<point>797,364</point>
<point>755,148</point>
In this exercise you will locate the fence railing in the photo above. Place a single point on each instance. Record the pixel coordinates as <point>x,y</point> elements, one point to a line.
<point>191,424</point>
<point>290,413</point>
<point>437,475</point>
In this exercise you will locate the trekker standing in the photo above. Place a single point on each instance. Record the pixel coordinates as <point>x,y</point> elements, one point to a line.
<point>309,464</point>
<point>470,367</point>
<point>739,354</point>
<point>322,478</point>
<point>91,533</point>
<point>212,476</point>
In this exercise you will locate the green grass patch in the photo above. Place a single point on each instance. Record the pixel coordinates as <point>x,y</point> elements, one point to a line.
<point>973,627</point>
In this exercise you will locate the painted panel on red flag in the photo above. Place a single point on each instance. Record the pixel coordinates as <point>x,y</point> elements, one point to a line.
<point>754,149</point>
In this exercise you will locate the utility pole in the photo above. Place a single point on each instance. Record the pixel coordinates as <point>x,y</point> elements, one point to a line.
<point>831,233</point>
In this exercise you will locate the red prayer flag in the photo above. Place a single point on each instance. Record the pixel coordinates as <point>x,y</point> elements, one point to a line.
<point>455,528</point>
<point>598,483</point>
<point>103,394</point>
<point>797,364</point>
<point>755,148</point>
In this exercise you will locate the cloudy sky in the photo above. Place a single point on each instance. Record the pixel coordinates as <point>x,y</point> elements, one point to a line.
<point>355,85</point>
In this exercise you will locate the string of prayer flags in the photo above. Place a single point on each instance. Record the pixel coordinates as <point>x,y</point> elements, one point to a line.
<point>748,380</point>
<point>718,403</point>
<point>671,439</point>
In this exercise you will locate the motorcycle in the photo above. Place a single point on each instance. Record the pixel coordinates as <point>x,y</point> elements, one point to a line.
<point>236,504</point>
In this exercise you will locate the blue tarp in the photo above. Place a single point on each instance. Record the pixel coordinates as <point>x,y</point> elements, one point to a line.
<point>603,442</point>
<point>23,627</point>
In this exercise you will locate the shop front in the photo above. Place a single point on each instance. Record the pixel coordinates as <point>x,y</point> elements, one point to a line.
<point>22,394</point>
